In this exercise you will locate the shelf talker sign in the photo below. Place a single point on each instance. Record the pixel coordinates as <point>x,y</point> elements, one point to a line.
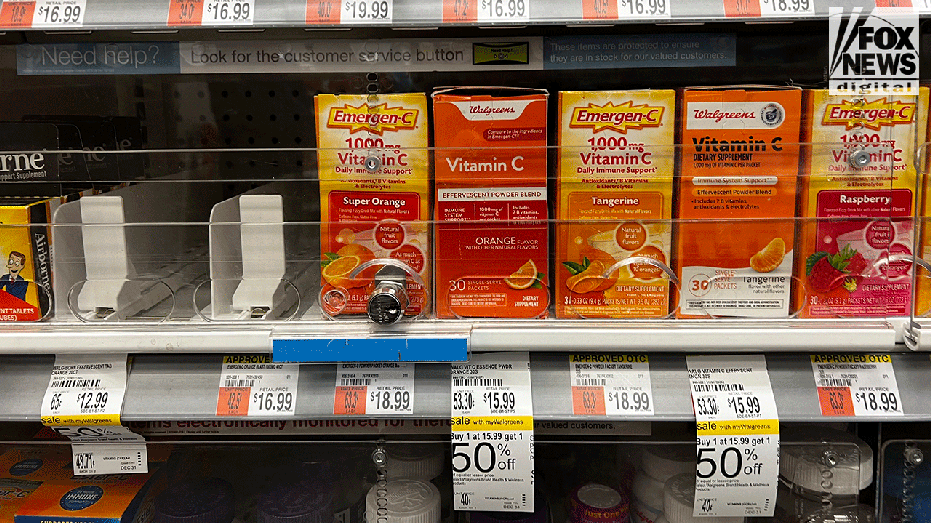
<point>738,436</point>
<point>492,433</point>
<point>83,402</point>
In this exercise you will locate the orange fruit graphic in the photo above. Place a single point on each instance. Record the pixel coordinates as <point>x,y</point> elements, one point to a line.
<point>522,278</point>
<point>359,251</point>
<point>769,257</point>
<point>336,273</point>
<point>590,280</point>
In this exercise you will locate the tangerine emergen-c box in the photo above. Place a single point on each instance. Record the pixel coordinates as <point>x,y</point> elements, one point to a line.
<point>615,202</point>
<point>739,170</point>
<point>858,215</point>
<point>491,202</point>
<point>374,194</point>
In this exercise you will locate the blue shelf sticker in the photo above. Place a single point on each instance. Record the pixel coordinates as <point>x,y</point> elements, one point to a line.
<point>329,350</point>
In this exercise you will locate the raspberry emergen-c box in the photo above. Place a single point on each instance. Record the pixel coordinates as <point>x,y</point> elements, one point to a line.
<point>615,190</point>
<point>739,169</point>
<point>858,215</point>
<point>374,210</point>
<point>491,202</point>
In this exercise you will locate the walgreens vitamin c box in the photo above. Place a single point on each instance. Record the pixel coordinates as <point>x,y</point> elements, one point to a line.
<point>491,202</point>
<point>739,169</point>
<point>615,202</point>
<point>860,166</point>
<point>374,194</point>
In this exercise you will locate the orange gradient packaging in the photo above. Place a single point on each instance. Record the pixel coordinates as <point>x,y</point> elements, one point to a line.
<point>615,202</point>
<point>491,204</point>
<point>859,196</point>
<point>374,194</point>
<point>739,170</point>
<point>923,280</point>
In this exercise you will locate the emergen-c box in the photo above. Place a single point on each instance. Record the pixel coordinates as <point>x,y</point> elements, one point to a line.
<point>615,188</point>
<point>374,170</point>
<point>491,237</point>
<point>736,201</point>
<point>860,186</point>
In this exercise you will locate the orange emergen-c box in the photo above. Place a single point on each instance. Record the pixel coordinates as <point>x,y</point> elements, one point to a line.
<point>491,202</point>
<point>739,169</point>
<point>859,214</point>
<point>615,202</point>
<point>374,194</point>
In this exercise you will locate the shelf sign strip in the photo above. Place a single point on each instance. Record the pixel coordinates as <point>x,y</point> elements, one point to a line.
<point>332,350</point>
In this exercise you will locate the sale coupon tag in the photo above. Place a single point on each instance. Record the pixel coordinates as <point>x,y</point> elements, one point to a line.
<point>492,433</point>
<point>380,389</point>
<point>251,385</point>
<point>611,385</point>
<point>738,436</point>
<point>349,12</point>
<point>860,385</point>
<point>59,14</point>
<point>85,390</point>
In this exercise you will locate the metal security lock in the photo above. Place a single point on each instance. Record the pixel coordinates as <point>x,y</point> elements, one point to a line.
<point>372,163</point>
<point>388,300</point>
<point>859,159</point>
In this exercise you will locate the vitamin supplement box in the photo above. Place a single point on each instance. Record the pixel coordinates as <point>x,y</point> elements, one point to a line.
<point>492,251</point>
<point>737,189</point>
<point>615,189</point>
<point>117,498</point>
<point>372,207</point>
<point>842,263</point>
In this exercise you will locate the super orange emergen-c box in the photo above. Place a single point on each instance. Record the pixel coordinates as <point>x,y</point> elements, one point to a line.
<point>739,169</point>
<point>491,202</point>
<point>615,202</point>
<point>858,215</point>
<point>374,193</point>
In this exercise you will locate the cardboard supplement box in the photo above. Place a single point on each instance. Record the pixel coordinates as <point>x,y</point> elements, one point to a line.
<point>737,189</point>
<point>615,188</point>
<point>374,194</point>
<point>492,252</point>
<point>860,166</point>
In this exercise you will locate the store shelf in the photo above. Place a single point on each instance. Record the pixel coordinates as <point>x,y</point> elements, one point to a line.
<point>862,335</point>
<point>149,16</point>
<point>174,387</point>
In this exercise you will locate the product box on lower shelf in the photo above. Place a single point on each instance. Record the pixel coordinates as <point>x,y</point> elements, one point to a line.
<point>736,201</point>
<point>857,204</point>
<point>492,235</point>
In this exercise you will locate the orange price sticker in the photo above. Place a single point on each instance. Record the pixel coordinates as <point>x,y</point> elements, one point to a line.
<point>349,401</point>
<point>745,8</point>
<point>894,3</point>
<point>233,401</point>
<point>835,401</point>
<point>185,12</point>
<point>17,14</point>
<point>323,12</point>
<point>599,9</point>
<point>588,401</point>
<point>460,11</point>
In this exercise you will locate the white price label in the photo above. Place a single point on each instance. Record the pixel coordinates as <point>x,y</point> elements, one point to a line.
<point>252,386</point>
<point>627,9</point>
<point>775,8</point>
<point>228,12</point>
<point>738,436</point>
<point>492,433</point>
<point>59,14</point>
<point>385,389</point>
<point>491,11</point>
<point>861,385</point>
<point>361,12</point>
<point>611,385</point>
<point>109,458</point>
<point>85,390</point>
